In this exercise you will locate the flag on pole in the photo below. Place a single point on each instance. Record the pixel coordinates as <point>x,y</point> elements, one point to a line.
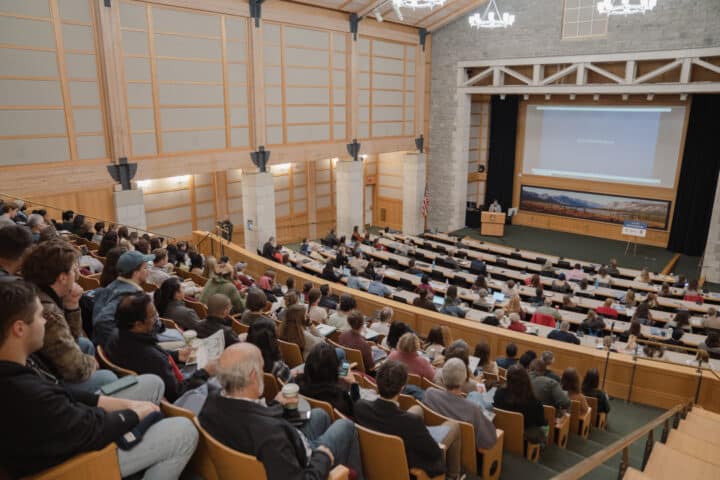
<point>425,202</point>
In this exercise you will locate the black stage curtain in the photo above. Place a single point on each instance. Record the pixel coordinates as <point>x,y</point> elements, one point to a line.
<point>698,178</point>
<point>501,151</point>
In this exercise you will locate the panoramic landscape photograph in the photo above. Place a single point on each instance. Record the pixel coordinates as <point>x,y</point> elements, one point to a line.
<point>595,206</point>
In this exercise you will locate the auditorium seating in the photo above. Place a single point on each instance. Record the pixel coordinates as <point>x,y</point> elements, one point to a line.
<point>87,466</point>
<point>512,424</point>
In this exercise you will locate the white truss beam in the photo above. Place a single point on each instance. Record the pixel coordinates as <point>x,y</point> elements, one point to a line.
<point>562,81</point>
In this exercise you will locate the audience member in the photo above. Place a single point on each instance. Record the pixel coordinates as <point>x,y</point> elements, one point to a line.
<point>527,358</point>
<point>218,318</point>
<point>546,389</point>
<point>294,330</point>
<point>514,306</point>
<point>576,274</point>
<point>381,325</point>
<point>435,342</point>
<point>425,285</point>
<point>269,248</point>
<point>452,303</point>
<point>339,319</point>
<point>407,353</point>
<point>109,241</point>
<point>47,424</point>
<point>603,278</point>
<point>711,345</point>
<point>510,357</point>
<point>517,396</point>
<point>459,349</point>
<point>452,403</point>
<point>377,287</point>
<point>485,364</point>
<point>52,268</point>
<point>593,324</point>
<point>316,313</point>
<point>412,269</point>
<point>680,320</point>
<point>321,380</point>
<point>421,442</point>
<point>263,335</point>
<point>397,329</point>
<point>591,388</point>
<point>563,334</point>
<point>157,273</point>
<point>613,269</point>
<point>607,309</point>
<point>256,303</point>
<point>286,452</point>
<point>423,301</point>
<point>36,224</point>
<point>327,299</point>
<point>169,303</point>
<point>711,320</point>
<point>15,241</point>
<point>8,211</point>
<point>221,282</point>
<point>548,358</point>
<point>548,310</point>
<point>516,324</point>
<point>353,338</point>
<point>570,382</point>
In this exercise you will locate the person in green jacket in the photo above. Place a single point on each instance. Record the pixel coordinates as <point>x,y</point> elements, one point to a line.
<point>221,282</point>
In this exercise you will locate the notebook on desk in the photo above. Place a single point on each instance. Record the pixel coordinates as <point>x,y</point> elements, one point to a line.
<point>325,330</point>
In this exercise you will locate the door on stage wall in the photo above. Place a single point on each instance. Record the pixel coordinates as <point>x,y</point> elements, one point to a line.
<point>368,218</point>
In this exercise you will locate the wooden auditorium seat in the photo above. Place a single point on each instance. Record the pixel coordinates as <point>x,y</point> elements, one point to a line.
<point>579,424</point>
<point>599,419</point>
<point>291,353</point>
<point>513,424</point>
<point>559,427</point>
<point>86,466</point>
<point>201,464</point>
<point>105,362</point>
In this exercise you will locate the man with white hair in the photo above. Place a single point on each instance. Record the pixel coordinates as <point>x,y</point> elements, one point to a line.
<point>309,451</point>
<point>564,334</point>
<point>452,404</point>
<point>549,358</point>
<point>36,223</point>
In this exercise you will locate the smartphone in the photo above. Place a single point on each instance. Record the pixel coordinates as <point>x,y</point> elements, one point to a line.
<point>344,368</point>
<point>118,385</point>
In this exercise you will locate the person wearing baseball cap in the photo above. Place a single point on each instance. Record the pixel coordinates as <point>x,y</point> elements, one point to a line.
<point>132,268</point>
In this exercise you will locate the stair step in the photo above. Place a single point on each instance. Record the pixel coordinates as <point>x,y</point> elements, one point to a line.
<point>559,458</point>
<point>516,467</point>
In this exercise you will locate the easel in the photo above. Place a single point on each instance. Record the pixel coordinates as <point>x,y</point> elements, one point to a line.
<point>631,243</point>
<point>633,229</point>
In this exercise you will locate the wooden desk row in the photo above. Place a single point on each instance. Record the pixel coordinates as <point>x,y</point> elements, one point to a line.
<point>660,384</point>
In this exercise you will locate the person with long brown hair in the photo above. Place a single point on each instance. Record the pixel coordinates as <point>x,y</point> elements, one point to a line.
<point>570,382</point>
<point>517,396</point>
<point>293,329</point>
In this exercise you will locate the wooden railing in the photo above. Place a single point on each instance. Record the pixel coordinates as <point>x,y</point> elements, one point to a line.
<point>662,385</point>
<point>589,464</point>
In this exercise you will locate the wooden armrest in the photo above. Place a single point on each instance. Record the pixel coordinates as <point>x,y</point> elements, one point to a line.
<point>353,366</point>
<point>341,472</point>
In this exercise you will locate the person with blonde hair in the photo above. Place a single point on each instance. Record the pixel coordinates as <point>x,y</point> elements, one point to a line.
<point>381,324</point>
<point>514,306</point>
<point>407,353</point>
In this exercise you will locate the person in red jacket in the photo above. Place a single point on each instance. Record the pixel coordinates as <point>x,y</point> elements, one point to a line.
<point>515,323</point>
<point>606,309</point>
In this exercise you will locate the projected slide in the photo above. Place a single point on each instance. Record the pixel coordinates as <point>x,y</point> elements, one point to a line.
<point>623,144</point>
<point>595,206</point>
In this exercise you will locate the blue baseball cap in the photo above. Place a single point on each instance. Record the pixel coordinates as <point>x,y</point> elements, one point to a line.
<point>130,261</point>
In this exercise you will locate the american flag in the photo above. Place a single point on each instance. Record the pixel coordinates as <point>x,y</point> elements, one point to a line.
<point>425,202</point>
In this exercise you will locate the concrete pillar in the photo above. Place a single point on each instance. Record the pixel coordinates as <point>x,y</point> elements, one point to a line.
<point>130,208</point>
<point>258,197</point>
<point>711,259</point>
<point>413,192</point>
<point>349,196</point>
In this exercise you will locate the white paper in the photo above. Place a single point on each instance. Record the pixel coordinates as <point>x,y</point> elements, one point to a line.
<point>210,348</point>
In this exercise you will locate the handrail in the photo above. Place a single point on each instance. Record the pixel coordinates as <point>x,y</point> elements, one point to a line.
<point>34,204</point>
<point>593,461</point>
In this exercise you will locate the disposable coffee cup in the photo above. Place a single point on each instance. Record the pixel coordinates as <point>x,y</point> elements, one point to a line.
<point>189,336</point>
<point>290,393</point>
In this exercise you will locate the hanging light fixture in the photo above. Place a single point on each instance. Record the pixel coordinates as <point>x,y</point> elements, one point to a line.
<point>625,7</point>
<point>417,4</point>
<point>491,18</point>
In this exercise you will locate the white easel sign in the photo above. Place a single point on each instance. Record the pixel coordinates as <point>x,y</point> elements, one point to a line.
<point>633,228</point>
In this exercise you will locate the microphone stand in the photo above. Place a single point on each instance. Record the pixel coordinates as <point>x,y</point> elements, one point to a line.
<point>212,245</point>
<point>607,357</point>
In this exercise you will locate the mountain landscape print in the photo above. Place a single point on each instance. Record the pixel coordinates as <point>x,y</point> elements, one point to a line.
<point>595,206</point>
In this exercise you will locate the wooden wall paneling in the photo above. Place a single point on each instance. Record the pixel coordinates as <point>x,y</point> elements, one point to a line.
<point>257,98</point>
<point>311,192</point>
<point>226,82</point>
<point>219,180</point>
<point>193,202</point>
<point>154,79</point>
<point>62,73</point>
<point>392,208</point>
<point>420,87</point>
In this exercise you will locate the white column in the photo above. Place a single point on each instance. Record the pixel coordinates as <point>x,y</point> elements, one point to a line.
<point>130,208</point>
<point>457,195</point>
<point>349,196</point>
<point>258,196</point>
<point>413,192</point>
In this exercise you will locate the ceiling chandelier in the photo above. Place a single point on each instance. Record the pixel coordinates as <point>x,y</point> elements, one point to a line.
<point>491,18</point>
<point>625,7</point>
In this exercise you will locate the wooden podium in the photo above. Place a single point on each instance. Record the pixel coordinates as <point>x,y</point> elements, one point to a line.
<point>493,224</point>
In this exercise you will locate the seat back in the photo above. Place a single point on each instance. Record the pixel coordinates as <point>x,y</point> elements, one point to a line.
<point>199,308</point>
<point>407,401</point>
<point>383,456</point>
<point>170,323</point>
<point>198,279</point>
<point>543,319</point>
<point>425,384</point>
<point>595,417</point>
<point>228,462</point>
<point>352,355</point>
<point>549,412</point>
<point>513,424</point>
<point>86,466</point>
<point>406,284</point>
<point>88,283</point>
<point>201,462</point>
<point>291,353</point>
<point>467,437</point>
<point>149,287</point>
<point>414,379</point>
<point>105,362</point>
<point>579,424</point>
<point>271,388</point>
<point>321,405</point>
<point>239,327</point>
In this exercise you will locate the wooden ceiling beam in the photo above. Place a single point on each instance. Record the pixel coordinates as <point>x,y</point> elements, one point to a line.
<point>454,15</point>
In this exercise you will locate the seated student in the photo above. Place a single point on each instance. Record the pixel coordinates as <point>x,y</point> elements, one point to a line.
<point>480,287</point>
<point>633,333</point>
<point>570,382</point>
<point>425,285</point>
<point>547,309</point>
<point>339,319</point>
<point>478,266</point>
<point>680,320</point>
<point>548,358</point>
<point>570,305</point>
<point>593,324</point>
<point>576,274</point>
<point>52,268</point>
<point>517,396</point>
<point>590,388</point>
<point>539,298</point>
<point>515,323</point>
<point>321,380</point>
<point>675,337</point>
<point>136,348</point>
<point>15,241</point>
<point>46,424</point>
<point>423,301</point>
<point>510,289</point>
<point>485,365</point>
<point>382,323</point>
<point>547,390</point>
<point>397,329</point>
<point>711,345</point>
<point>459,349</point>
<point>453,404</point>
<point>356,236</point>
<point>263,335</point>
<point>603,278</point>
<point>515,306</point>
<point>256,302</point>
<point>169,303</point>
<point>377,287</point>
<point>421,442</point>
<point>218,318</point>
<point>316,313</point>
<point>288,452</point>
<point>629,298</point>
<point>436,342</point>
<point>327,299</point>
<point>328,272</point>
<point>296,329</point>
<point>643,277</point>
<point>563,334</point>
<point>527,358</point>
<point>353,338</point>
<point>8,212</point>
<point>643,314</point>
<point>37,224</point>
<point>157,274</point>
<point>353,280</point>
<point>613,269</point>
<point>330,239</point>
<point>711,319</point>
<point>560,284</point>
<point>606,309</point>
<point>341,258</point>
<point>412,269</point>
<point>221,282</point>
<point>452,303</point>
<point>407,353</point>
<point>269,248</point>
<point>510,357</point>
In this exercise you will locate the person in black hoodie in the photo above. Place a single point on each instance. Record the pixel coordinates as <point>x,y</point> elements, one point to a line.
<point>218,318</point>
<point>135,347</point>
<point>287,452</point>
<point>321,380</point>
<point>45,423</point>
